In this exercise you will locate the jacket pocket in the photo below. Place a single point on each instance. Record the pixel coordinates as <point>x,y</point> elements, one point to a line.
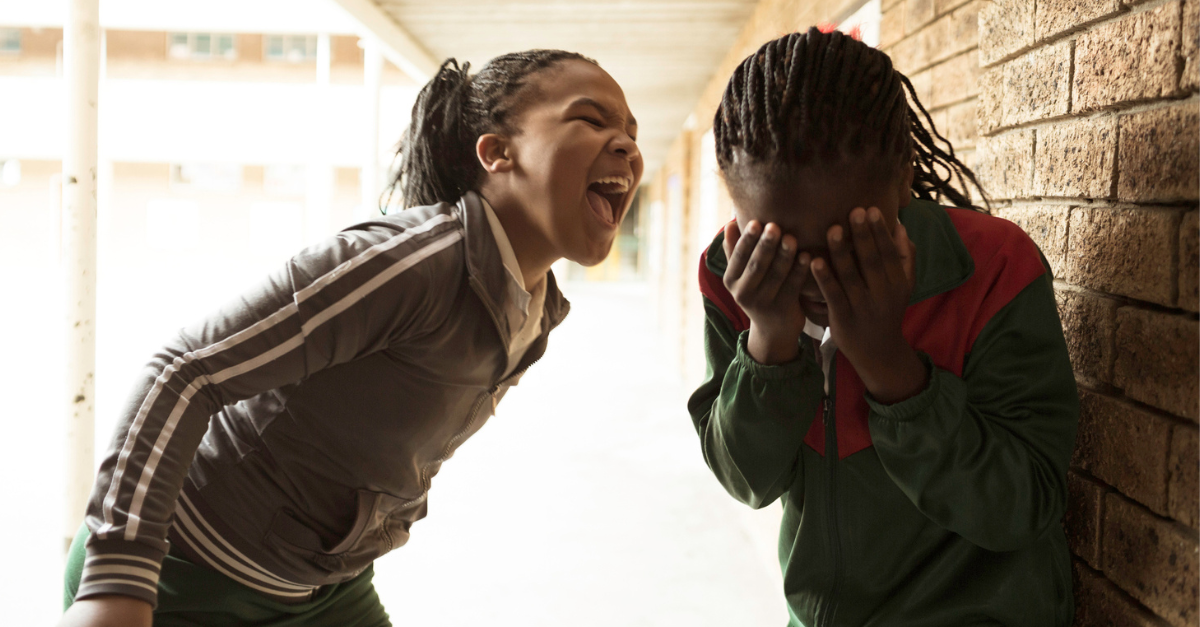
<point>378,527</point>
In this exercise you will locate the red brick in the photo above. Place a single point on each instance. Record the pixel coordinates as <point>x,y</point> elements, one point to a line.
<point>1154,560</point>
<point>1037,85</point>
<point>1183,466</point>
<point>1160,154</point>
<point>953,33</point>
<point>1060,16</point>
<point>910,55</point>
<point>1085,497</point>
<point>1089,325</point>
<point>891,26</point>
<point>1122,251</point>
<point>955,80</point>
<point>1191,56</point>
<point>991,100</point>
<point>1124,446</point>
<point>917,13</point>
<point>1005,164</point>
<point>1099,603</point>
<point>1076,158</point>
<point>1157,361</point>
<point>1046,225</point>
<point>1189,262</point>
<point>1133,58</point>
<point>1005,26</point>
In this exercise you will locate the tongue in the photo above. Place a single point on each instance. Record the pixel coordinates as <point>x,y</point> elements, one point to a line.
<point>601,206</point>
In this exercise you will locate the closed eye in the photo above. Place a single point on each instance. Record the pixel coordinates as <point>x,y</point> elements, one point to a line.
<point>592,121</point>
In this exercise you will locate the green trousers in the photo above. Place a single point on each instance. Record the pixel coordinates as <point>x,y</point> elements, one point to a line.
<point>195,596</point>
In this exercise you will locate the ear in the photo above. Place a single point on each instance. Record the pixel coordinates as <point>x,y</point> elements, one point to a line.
<point>494,153</point>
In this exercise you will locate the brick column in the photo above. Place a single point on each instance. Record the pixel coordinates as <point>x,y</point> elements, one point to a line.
<point>1089,139</point>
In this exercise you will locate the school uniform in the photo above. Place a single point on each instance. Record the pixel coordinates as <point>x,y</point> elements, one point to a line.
<point>942,509</point>
<point>289,440</point>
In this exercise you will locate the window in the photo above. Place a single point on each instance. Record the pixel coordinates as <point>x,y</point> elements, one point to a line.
<point>10,41</point>
<point>206,177</point>
<point>290,48</point>
<point>201,46</point>
<point>284,180</point>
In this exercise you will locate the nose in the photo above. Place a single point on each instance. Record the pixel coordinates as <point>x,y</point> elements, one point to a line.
<point>624,145</point>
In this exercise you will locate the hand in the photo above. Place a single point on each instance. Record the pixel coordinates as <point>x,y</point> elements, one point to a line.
<point>108,611</point>
<point>765,276</point>
<point>867,299</point>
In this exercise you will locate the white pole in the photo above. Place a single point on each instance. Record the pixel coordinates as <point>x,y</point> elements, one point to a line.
<point>81,70</point>
<point>372,80</point>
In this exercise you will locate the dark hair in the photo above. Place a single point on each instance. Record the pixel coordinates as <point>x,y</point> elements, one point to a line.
<point>436,156</point>
<point>820,97</point>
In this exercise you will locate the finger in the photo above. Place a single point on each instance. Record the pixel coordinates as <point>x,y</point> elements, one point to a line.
<point>831,289</point>
<point>870,266</point>
<point>741,252</point>
<point>908,253</point>
<point>761,259</point>
<point>889,255</point>
<point>781,266</point>
<point>842,260</point>
<point>801,271</point>
<point>732,234</point>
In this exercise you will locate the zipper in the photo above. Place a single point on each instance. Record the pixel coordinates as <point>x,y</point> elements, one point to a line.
<point>831,461</point>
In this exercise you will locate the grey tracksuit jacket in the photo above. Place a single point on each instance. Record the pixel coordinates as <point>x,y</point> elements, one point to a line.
<point>290,439</point>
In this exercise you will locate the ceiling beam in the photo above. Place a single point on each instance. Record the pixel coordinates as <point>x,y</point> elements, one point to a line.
<point>398,45</point>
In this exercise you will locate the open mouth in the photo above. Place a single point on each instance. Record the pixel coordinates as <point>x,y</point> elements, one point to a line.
<point>607,197</point>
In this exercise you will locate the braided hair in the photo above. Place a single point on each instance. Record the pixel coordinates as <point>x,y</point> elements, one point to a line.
<point>821,98</point>
<point>436,155</point>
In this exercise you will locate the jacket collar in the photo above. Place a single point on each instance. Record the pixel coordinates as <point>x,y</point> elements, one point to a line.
<point>942,262</point>
<point>485,270</point>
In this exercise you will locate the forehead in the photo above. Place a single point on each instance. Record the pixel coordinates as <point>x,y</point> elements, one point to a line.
<point>573,80</point>
<point>806,204</point>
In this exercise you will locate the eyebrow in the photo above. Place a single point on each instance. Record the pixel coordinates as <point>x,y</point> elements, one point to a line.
<point>604,111</point>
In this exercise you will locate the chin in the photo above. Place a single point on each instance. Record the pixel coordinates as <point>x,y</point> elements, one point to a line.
<point>594,255</point>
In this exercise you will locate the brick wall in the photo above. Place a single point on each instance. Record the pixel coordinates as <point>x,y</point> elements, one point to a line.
<point>1088,138</point>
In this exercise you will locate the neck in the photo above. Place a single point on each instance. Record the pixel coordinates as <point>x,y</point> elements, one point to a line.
<point>533,253</point>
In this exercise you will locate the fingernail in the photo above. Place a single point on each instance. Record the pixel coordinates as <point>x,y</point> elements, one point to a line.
<point>818,264</point>
<point>857,217</point>
<point>787,247</point>
<point>753,228</point>
<point>835,234</point>
<point>875,215</point>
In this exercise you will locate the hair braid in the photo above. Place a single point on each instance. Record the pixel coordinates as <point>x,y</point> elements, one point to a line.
<point>436,156</point>
<point>816,98</point>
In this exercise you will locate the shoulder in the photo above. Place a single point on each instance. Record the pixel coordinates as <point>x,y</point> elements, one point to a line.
<point>425,239</point>
<point>993,241</point>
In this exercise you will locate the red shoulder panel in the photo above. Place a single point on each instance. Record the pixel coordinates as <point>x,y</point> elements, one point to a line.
<point>945,326</point>
<point>713,288</point>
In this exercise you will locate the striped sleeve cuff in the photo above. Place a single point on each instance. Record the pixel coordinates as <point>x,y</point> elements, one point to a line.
<point>120,567</point>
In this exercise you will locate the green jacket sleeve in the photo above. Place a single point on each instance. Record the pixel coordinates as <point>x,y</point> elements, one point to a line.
<point>752,418</point>
<point>986,455</point>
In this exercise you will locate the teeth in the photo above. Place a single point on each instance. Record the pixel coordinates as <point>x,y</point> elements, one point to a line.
<point>622,181</point>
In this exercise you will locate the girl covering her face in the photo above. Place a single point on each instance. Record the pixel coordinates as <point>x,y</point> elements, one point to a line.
<point>271,452</point>
<point>892,369</point>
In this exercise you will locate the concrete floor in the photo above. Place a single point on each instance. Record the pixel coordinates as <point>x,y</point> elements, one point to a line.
<point>585,501</point>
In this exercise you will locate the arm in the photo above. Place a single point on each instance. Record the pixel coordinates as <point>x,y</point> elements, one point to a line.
<point>986,455</point>
<point>752,418</point>
<point>352,295</point>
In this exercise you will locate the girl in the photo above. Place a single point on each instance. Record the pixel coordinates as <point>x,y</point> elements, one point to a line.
<point>273,451</point>
<point>893,370</point>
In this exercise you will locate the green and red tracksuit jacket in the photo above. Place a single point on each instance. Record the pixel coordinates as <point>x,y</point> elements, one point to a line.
<point>943,509</point>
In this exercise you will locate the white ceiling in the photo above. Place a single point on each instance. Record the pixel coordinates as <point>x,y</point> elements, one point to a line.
<point>662,52</point>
